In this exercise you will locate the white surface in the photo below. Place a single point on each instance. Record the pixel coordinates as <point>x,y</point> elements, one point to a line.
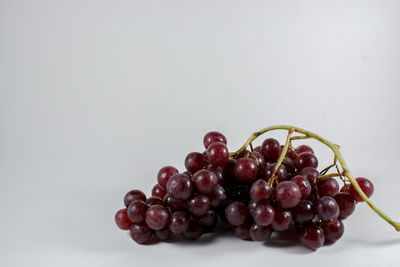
<point>96,96</point>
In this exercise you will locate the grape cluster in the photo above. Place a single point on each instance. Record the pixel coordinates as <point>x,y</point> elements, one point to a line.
<point>245,191</point>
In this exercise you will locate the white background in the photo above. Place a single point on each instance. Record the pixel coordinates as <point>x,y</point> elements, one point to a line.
<point>96,96</point>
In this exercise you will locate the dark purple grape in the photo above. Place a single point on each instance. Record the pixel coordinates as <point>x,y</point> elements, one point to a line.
<point>173,203</point>
<point>162,234</point>
<point>158,191</point>
<point>263,214</point>
<point>179,222</point>
<point>270,149</point>
<point>246,169</point>
<point>222,180</point>
<point>346,204</point>
<point>366,186</point>
<point>311,174</point>
<point>180,186</point>
<point>304,211</point>
<point>281,173</point>
<point>156,217</point>
<point>252,205</point>
<point>303,148</point>
<point>205,181</point>
<point>217,196</point>
<point>282,220</point>
<point>242,231</point>
<point>228,170</point>
<point>217,154</point>
<point>327,187</point>
<point>208,219</point>
<point>333,230</point>
<point>303,184</point>
<point>198,205</point>
<point>236,213</point>
<point>122,220</point>
<point>132,196</point>
<point>257,149</point>
<point>194,161</point>
<point>260,190</point>
<point>327,208</point>
<point>213,137</point>
<point>287,194</point>
<point>312,237</point>
<point>345,188</point>
<point>193,232</point>
<point>137,211</point>
<point>164,174</point>
<point>261,161</point>
<point>154,201</point>
<point>141,234</point>
<point>260,233</point>
<point>306,159</point>
<point>289,165</point>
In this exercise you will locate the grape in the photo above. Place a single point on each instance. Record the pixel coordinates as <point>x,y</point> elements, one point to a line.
<point>303,148</point>
<point>217,154</point>
<point>180,186</point>
<point>261,161</point>
<point>260,233</point>
<point>333,230</point>
<point>194,161</point>
<point>122,220</point>
<point>242,231</point>
<point>137,211</point>
<point>179,222</point>
<point>246,169</point>
<point>236,213</point>
<point>158,191</point>
<point>366,186</point>
<point>263,214</point>
<point>290,153</point>
<point>305,160</point>
<point>304,211</point>
<point>199,205</point>
<point>213,137</point>
<point>173,203</point>
<point>222,180</point>
<point>164,174</point>
<point>132,196</point>
<point>327,208</point>
<point>281,173</point>
<point>141,233</point>
<point>193,232</point>
<point>156,217</point>
<point>154,201</point>
<point>270,149</point>
<point>310,173</point>
<point>217,196</point>
<point>282,220</point>
<point>209,219</point>
<point>345,188</point>
<point>287,194</point>
<point>205,181</point>
<point>257,149</point>
<point>346,204</point>
<point>162,234</point>
<point>327,187</point>
<point>289,165</point>
<point>228,170</point>
<point>303,184</point>
<point>312,237</point>
<point>260,190</point>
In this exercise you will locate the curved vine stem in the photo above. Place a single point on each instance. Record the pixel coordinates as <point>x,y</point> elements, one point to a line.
<point>335,149</point>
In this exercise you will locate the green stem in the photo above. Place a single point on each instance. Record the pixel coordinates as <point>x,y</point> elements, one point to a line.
<point>281,157</point>
<point>330,175</point>
<point>335,150</point>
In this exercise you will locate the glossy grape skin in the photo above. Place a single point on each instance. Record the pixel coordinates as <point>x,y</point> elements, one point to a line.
<point>242,231</point>
<point>270,149</point>
<point>282,220</point>
<point>260,190</point>
<point>217,154</point>
<point>194,161</point>
<point>327,187</point>
<point>311,174</point>
<point>236,213</point>
<point>366,186</point>
<point>303,184</point>
<point>312,237</point>
<point>193,232</point>
<point>132,196</point>
<point>217,196</point>
<point>304,211</point>
<point>164,174</point>
<point>179,222</point>
<point>260,233</point>
<point>346,204</point>
<point>263,214</point>
<point>217,170</point>
<point>137,211</point>
<point>246,169</point>
<point>303,148</point>
<point>122,220</point>
<point>213,137</point>
<point>158,191</point>
<point>162,234</point>
<point>305,160</point>
<point>180,186</point>
<point>209,219</point>
<point>289,165</point>
<point>327,208</point>
<point>333,230</point>
<point>156,217</point>
<point>173,203</point>
<point>198,205</point>
<point>257,149</point>
<point>141,234</point>
<point>205,181</point>
<point>287,194</point>
<point>261,161</point>
<point>154,201</point>
<point>281,173</point>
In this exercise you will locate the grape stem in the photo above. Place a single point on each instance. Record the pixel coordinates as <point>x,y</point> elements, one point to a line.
<point>335,149</point>
<point>330,175</point>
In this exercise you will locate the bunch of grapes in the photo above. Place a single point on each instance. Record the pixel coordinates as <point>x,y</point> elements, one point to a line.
<point>251,191</point>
